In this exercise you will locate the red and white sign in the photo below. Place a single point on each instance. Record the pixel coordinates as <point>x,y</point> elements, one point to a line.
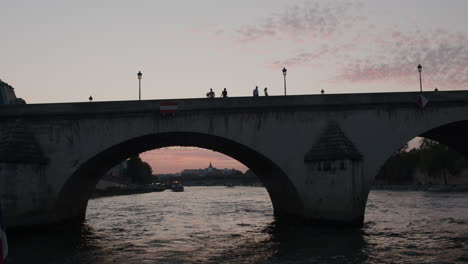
<point>422,101</point>
<point>168,107</point>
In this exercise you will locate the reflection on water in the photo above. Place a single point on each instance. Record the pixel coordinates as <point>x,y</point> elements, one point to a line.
<point>236,225</point>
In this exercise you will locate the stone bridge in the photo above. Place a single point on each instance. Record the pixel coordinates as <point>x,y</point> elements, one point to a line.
<point>317,155</point>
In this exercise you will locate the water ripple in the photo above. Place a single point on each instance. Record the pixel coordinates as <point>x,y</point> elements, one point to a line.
<point>236,225</point>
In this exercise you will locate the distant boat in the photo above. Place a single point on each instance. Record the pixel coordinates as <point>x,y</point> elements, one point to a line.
<point>177,186</point>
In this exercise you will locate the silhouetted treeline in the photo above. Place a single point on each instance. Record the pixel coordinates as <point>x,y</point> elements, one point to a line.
<point>436,162</point>
<point>138,171</point>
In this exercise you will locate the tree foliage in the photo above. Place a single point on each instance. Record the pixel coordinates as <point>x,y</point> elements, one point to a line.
<point>437,157</point>
<point>139,171</point>
<point>430,158</point>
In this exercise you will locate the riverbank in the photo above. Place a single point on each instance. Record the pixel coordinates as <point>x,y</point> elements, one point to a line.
<point>118,191</point>
<point>425,188</point>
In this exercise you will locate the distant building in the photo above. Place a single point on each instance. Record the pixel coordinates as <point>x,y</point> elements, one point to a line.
<point>210,171</point>
<point>7,94</point>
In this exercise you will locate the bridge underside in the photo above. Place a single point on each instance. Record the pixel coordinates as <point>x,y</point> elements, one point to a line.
<point>454,135</point>
<point>75,194</point>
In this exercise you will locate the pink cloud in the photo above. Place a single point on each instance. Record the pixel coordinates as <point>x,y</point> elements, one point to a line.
<point>367,54</point>
<point>443,55</point>
<point>314,19</point>
<point>393,57</point>
<point>304,58</point>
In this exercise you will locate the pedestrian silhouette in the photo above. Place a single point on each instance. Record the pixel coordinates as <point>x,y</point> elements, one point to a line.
<point>436,90</point>
<point>224,93</point>
<point>90,98</point>
<point>255,91</point>
<point>210,94</point>
<point>266,92</point>
<point>322,91</point>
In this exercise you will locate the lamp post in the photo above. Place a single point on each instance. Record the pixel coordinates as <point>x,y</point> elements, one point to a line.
<point>420,79</point>
<point>284,74</point>
<point>139,74</point>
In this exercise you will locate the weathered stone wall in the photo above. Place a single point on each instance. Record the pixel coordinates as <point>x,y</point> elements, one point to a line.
<point>269,135</point>
<point>25,193</point>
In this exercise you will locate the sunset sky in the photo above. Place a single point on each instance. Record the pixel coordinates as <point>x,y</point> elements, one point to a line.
<point>65,51</point>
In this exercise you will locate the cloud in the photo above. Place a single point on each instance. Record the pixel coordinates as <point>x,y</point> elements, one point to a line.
<point>370,54</point>
<point>313,19</point>
<point>306,57</point>
<point>336,33</point>
<point>301,58</point>
<point>443,55</point>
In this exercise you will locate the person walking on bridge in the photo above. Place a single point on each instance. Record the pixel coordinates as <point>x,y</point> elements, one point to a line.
<point>255,91</point>
<point>266,92</point>
<point>224,93</point>
<point>210,94</point>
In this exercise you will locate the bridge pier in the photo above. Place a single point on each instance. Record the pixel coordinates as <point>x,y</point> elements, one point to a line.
<point>335,190</point>
<point>52,155</point>
<point>336,197</point>
<point>26,197</point>
<point>328,199</point>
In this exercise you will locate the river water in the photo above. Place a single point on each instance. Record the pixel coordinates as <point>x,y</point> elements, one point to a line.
<point>236,225</point>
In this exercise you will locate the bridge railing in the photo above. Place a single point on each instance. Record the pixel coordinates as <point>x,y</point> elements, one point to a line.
<point>270,103</point>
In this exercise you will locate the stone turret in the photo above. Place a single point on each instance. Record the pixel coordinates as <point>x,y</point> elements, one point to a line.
<point>334,173</point>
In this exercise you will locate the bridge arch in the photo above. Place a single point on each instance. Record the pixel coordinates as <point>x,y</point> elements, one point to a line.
<point>452,134</point>
<point>74,195</point>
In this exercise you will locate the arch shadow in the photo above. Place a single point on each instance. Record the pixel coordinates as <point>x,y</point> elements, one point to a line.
<point>453,135</point>
<point>74,195</point>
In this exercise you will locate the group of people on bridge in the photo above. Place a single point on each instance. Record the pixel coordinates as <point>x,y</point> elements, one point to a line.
<point>224,93</point>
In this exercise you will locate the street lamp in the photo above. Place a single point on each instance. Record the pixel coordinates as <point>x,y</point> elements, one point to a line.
<point>420,80</point>
<point>139,74</point>
<point>284,74</point>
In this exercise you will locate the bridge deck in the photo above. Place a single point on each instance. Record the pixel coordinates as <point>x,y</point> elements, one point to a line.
<point>271,103</point>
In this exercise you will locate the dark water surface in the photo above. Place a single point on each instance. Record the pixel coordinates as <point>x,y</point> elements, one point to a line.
<point>236,225</point>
